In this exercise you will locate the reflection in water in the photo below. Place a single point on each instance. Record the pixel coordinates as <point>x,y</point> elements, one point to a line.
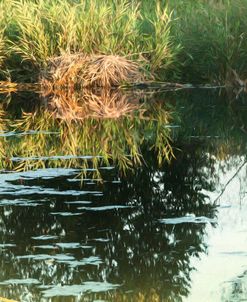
<point>42,135</point>
<point>136,236</point>
<point>104,103</point>
<point>226,261</point>
<point>126,245</point>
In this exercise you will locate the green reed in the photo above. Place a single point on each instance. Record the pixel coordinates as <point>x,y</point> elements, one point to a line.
<point>38,30</point>
<point>2,37</point>
<point>213,38</point>
<point>195,41</point>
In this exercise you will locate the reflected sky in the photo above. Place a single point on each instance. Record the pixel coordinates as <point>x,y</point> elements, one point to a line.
<point>226,258</point>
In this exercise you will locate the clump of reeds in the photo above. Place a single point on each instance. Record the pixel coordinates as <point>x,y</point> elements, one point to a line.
<point>80,70</point>
<point>193,41</point>
<point>39,30</point>
<point>110,71</point>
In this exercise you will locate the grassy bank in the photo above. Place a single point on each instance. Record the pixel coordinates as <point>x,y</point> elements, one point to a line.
<point>195,41</point>
<point>38,30</point>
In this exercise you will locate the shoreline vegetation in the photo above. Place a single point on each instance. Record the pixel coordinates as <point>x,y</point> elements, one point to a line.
<point>123,41</point>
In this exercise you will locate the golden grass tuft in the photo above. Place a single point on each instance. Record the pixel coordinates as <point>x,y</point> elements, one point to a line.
<point>108,71</point>
<point>80,70</point>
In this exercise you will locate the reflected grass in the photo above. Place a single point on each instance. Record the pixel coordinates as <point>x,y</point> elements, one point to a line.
<point>87,129</point>
<point>70,105</point>
<point>117,128</point>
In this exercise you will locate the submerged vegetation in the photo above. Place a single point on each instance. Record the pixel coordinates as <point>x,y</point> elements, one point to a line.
<point>170,40</point>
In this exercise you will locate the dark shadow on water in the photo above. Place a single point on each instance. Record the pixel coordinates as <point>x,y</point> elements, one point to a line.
<point>115,236</point>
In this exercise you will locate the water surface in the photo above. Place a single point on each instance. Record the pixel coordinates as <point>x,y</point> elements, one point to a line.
<point>148,206</point>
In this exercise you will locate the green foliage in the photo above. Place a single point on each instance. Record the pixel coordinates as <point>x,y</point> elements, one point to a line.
<point>2,37</point>
<point>1,47</point>
<point>213,37</point>
<point>42,29</point>
<point>195,41</point>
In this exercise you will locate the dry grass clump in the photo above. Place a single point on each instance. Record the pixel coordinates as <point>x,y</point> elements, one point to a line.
<point>105,103</point>
<point>80,70</point>
<point>110,71</point>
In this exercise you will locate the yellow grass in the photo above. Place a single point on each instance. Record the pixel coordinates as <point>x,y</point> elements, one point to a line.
<point>80,70</point>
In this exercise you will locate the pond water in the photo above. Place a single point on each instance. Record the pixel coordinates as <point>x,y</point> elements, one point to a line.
<point>148,206</point>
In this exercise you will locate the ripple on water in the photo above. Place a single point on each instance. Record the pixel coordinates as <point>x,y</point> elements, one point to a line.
<point>5,245</point>
<point>105,208</point>
<point>78,202</point>
<point>65,214</point>
<point>45,237</point>
<point>63,258</point>
<point>69,245</point>
<point>28,281</point>
<point>75,290</point>
<point>187,219</point>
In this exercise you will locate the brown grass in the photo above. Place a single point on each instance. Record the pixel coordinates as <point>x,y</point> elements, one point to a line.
<point>104,103</point>
<point>80,70</point>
